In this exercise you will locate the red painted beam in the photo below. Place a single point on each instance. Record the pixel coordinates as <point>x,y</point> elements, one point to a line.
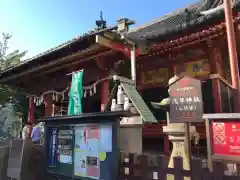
<point>100,61</point>
<point>197,35</point>
<point>124,49</point>
<point>118,46</point>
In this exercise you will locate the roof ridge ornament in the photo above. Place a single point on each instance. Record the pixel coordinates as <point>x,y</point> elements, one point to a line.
<point>101,24</point>
<point>187,15</point>
<point>123,26</point>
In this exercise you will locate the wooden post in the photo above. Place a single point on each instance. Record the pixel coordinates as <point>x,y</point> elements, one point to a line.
<point>209,144</point>
<point>166,138</point>
<point>188,142</point>
<point>178,168</point>
<point>166,144</point>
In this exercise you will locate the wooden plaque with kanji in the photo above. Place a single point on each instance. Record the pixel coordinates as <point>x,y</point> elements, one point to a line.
<point>186,104</point>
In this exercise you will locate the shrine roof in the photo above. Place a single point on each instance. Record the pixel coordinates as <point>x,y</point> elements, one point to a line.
<point>39,57</point>
<point>181,20</point>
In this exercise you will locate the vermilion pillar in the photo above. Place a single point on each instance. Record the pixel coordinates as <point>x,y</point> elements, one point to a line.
<point>233,58</point>
<point>215,62</point>
<point>104,94</point>
<point>31,110</point>
<point>48,105</point>
<point>31,113</point>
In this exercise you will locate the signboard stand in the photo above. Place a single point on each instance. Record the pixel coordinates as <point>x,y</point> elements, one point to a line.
<point>223,139</point>
<point>18,159</point>
<point>209,144</point>
<point>188,141</point>
<point>186,106</point>
<point>83,146</point>
<point>4,155</point>
<point>180,138</point>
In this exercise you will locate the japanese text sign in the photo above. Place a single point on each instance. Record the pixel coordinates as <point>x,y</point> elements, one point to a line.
<point>226,138</point>
<point>186,103</point>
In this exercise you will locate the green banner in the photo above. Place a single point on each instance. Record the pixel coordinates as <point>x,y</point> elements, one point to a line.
<point>75,94</point>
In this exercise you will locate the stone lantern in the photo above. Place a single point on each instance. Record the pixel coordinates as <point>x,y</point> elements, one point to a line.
<point>176,133</point>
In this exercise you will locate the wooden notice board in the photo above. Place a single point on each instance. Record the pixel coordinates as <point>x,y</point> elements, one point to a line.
<point>186,104</point>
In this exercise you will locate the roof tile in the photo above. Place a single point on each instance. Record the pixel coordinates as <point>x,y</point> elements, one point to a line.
<point>179,20</point>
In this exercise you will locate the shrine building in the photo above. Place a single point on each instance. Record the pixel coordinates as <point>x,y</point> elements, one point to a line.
<point>188,42</point>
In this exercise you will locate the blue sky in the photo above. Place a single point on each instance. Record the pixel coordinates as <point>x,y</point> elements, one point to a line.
<point>37,25</point>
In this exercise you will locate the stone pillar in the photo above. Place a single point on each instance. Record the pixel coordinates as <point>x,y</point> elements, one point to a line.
<point>176,134</point>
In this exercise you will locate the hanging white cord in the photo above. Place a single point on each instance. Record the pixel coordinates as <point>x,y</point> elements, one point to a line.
<point>85,88</point>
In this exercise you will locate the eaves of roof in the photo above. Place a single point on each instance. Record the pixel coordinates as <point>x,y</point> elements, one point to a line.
<point>49,51</point>
<point>60,47</point>
<point>180,20</point>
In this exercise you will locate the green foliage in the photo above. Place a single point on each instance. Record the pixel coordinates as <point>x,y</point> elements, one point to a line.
<point>20,104</point>
<point>7,94</point>
<point>13,59</point>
